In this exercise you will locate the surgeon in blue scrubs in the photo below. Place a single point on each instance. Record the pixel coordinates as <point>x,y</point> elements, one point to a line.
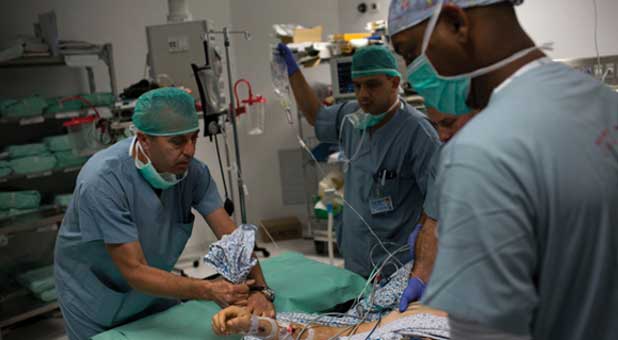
<point>528,189</point>
<point>388,146</point>
<point>130,219</point>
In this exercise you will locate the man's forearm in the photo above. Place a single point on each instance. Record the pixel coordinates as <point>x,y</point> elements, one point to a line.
<point>157,282</point>
<point>426,249</point>
<point>306,99</point>
<point>257,274</point>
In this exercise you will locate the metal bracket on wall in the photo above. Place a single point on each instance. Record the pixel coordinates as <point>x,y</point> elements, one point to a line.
<point>601,68</point>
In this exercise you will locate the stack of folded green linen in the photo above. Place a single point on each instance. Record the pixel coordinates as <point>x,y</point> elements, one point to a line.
<point>26,150</point>
<point>40,282</point>
<point>69,159</point>
<point>30,158</point>
<point>57,143</point>
<point>63,200</point>
<point>57,105</point>
<point>5,168</point>
<point>35,105</point>
<point>19,202</point>
<point>100,98</point>
<point>61,147</point>
<point>22,108</point>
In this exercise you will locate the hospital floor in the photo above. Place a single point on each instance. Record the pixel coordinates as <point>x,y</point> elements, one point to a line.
<point>52,328</point>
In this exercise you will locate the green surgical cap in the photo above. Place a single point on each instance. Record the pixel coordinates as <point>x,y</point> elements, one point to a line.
<point>165,112</point>
<point>374,60</point>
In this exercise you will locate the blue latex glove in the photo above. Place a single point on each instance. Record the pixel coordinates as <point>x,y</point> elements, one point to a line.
<point>287,55</point>
<point>413,292</point>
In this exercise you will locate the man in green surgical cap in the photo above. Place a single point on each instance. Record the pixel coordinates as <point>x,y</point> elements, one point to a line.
<point>130,219</point>
<point>387,146</point>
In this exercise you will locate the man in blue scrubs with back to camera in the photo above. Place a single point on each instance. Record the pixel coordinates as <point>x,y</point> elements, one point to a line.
<point>130,219</point>
<point>528,189</point>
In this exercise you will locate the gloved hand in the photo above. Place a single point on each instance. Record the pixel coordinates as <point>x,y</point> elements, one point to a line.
<point>287,55</point>
<point>412,293</point>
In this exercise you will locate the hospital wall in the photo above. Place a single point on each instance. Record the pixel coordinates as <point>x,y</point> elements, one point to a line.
<point>260,153</point>
<point>119,22</point>
<point>123,23</point>
<point>569,24</point>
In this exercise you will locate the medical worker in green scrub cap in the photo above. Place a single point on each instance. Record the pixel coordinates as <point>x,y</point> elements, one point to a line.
<point>130,219</point>
<point>387,146</point>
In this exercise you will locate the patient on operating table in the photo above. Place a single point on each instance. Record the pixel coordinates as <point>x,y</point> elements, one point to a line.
<point>417,321</point>
<point>374,314</point>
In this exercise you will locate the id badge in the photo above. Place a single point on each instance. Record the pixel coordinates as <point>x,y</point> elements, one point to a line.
<point>381,205</point>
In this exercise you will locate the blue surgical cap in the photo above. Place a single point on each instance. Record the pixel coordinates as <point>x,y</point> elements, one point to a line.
<point>374,60</point>
<point>403,14</point>
<point>165,112</point>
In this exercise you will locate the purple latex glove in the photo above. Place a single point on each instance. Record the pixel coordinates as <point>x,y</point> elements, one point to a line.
<point>287,55</point>
<point>416,287</point>
<point>413,292</point>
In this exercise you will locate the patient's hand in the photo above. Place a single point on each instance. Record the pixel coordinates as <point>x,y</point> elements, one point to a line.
<point>259,305</point>
<point>231,320</point>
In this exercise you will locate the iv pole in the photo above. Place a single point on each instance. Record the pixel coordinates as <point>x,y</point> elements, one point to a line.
<point>232,116</point>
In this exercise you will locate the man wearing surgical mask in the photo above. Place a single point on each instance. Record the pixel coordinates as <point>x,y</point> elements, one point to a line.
<point>528,192</point>
<point>130,219</point>
<point>387,145</point>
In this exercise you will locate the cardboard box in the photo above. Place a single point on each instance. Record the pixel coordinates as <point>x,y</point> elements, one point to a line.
<point>302,35</point>
<point>350,36</point>
<point>281,229</point>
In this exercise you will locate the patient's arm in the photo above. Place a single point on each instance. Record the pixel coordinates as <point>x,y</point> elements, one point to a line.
<point>237,320</point>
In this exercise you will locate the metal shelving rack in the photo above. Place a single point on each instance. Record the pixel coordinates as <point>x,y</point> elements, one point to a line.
<point>16,303</point>
<point>102,53</point>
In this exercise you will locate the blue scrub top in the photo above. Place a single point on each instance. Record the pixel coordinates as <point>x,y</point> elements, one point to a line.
<point>528,231</point>
<point>113,204</point>
<point>404,146</point>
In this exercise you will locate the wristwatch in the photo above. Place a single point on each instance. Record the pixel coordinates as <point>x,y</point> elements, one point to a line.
<point>268,293</point>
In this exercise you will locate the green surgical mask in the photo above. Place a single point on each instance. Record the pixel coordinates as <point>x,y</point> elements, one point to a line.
<point>367,120</point>
<point>449,94</point>
<point>158,181</point>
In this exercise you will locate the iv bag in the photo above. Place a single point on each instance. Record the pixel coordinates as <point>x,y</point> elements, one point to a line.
<point>281,85</point>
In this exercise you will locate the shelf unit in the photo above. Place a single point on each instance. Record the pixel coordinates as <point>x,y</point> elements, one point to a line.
<point>31,221</point>
<point>59,116</point>
<point>23,233</point>
<point>85,59</point>
<point>16,305</point>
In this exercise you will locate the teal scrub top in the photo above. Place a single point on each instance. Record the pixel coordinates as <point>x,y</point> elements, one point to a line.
<point>404,147</point>
<point>528,230</point>
<point>113,204</point>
